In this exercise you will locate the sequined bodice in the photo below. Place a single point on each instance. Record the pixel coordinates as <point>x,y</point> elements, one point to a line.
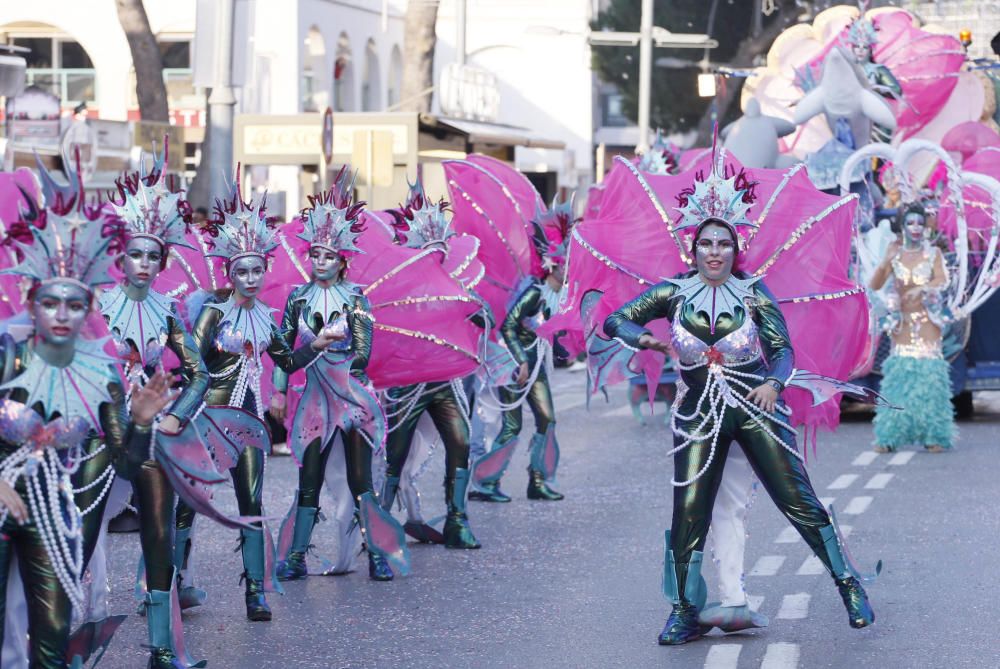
<point>20,424</point>
<point>920,275</point>
<point>736,348</point>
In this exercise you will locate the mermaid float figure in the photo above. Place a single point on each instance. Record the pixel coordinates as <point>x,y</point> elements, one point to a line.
<point>733,349</point>
<point>48,438</point>
<point>338,398</point>
<point>232,334</point>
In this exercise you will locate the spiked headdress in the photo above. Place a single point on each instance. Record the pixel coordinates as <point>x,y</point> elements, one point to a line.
<point>332,220</point>
<point>63,239</point>
<point>418,222</point>
<point>551,230</point>
<point>661,158</point>
<point>145,207</point>
<point>241,228</point>
<point>862,32</point>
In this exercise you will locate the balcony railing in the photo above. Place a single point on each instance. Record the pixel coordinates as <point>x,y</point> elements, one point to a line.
<point>71,85</point>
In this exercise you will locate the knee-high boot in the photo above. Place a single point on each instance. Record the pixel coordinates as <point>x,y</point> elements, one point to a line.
<point>457,532</point>
<point>294,567</point>
<point>544,459</point>
<point>187,593</point>
<point>859,611</point>
<point>682,624</point>
<point>253,565</point>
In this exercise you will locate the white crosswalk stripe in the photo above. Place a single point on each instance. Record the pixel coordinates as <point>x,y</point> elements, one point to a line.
<point>826,501</point>
<point>781,656</point>
<point>843,481</point>
<point>723,656</point>
<point>858,505</point>
<point>812,566</point>
<point>865,459</point>
<point>878,482</point>
<point>794,607</point>
<point>755,602</point>
<point>767,565</point>
<point>901,458</point>
<point>789,535</point>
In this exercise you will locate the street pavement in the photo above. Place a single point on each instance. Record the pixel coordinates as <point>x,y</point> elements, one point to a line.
<point>576,584</point>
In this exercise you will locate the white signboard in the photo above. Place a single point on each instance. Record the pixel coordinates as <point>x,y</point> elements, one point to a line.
<point>469,92</point>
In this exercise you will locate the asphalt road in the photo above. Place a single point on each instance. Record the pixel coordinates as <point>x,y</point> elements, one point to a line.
<point>577,583</point>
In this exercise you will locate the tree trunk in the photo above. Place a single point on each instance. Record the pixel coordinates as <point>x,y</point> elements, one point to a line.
<point>149,86</point>
<point>748,50</point>
<point>199,193</point>
<point>418,56</point>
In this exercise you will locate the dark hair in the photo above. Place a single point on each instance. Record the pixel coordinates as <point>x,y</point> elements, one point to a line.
<point>912,208</point>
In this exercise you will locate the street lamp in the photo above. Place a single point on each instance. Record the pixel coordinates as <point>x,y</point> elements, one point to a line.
<point>648,37</point>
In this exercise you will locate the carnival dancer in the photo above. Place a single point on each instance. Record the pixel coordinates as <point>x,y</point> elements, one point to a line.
<point>49,437</point>
<point>424,225</point>
<point>232,334</point>
<point>735,357</point>
<point>915,376</point>
<point>534,302</point>
<point>338,398</point>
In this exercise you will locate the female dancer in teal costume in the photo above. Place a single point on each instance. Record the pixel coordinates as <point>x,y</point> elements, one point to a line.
<point>735,357</point>
<point>232,335</point>
<point>338,397</point>
<point>47,438</point>
<point>421,224</point>
<point>537,301</point>
<point>916,375</point>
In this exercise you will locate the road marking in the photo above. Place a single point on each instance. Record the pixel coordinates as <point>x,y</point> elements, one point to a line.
<point>865,459</point>
<point>755,602</point>
<point>878,482</point>
<point>826,501</point>
<point>858,505</point>
<point>781,656</point>
<point>812,566</point>
<point>843,481</point>
<point>846,530</point>
<point>767,565</point>
<point>789,535</point>
<point>723,656</point>
<point>902,458</point>
<point>794,607</point>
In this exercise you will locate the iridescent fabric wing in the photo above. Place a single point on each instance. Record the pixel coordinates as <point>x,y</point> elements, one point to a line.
<point>226,431</point>
<point>287,530</point>
<point>383,534</point>
<point>420,313</point>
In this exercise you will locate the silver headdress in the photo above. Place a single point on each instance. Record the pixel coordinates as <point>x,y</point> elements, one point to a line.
<point>63,239</point>
<point>333,219</point>
<point>240,228</point>
<point>661,158</point>
<point>862,32</point>
<point>724,195</point>
<point>420,223</point>
<point>148,209</point>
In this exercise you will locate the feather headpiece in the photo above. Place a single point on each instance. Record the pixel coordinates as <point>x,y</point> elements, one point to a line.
<point>63,238</point>
<point>145,207</point>
<point>862,32</point>
<point>241,228</point>
<point>550,231</point>
<point>332,220</point>
<point>420,223</point>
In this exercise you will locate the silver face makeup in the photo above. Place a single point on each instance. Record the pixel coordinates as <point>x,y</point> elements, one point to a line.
<point>247,275</point>
<point>715,252</point>
<point>326,264</point>
<point>141,261</point>
<point>59,311</point>
<point>914,225</point>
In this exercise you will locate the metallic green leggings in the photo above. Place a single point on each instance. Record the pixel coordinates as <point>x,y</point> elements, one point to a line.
<point>248,480</point>
<point>89,471</point>
<point>154,498</point>
<point>539,400</point>
<point>49,607</point>
<point>782,474</point>
<point>446,411</point>
<point>357,454</point>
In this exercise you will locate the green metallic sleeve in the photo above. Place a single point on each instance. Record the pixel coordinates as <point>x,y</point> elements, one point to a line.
<point>203,331</point>
<point>774,337</point>
<point>193,370</point>
<point>526,306</point>
<point>628,323</point>
<point>362,327</point>
<point>284,357</point>
<point>289,331</point>
<point>127,443</point>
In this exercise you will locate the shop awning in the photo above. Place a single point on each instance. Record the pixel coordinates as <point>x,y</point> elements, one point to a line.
<point>478,132</point>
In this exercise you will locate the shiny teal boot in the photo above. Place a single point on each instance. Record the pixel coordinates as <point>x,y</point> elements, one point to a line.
<point>489,469</point>
<point>457,532</point>
<point>188,595</point>
<point>543,466</point>
<point>682,625</point>
<point>294,567</point>
<point>253,565</point>
<point>158,624</point>
<point>859,610</point>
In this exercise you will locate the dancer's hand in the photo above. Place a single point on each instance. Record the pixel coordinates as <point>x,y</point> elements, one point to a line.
<point>652,343</point>
<point>523,372</point>
<point>278,404</point>
<point>12,502</point>
<point>326,337</point>
<point>149,400</point>
<point>764,396</point>
<point>169,425</point>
